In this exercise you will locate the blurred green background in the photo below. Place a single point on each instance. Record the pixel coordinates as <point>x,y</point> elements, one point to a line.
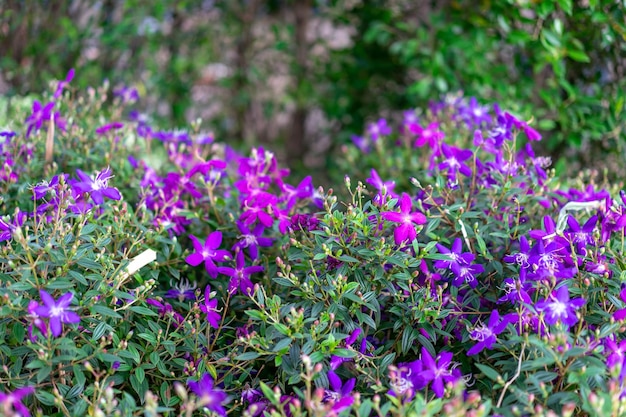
<point>301,76</point>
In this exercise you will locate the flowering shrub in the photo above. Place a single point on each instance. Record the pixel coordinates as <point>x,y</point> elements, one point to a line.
<point>163,273</point>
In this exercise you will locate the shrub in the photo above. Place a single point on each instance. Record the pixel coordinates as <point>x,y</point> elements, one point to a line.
<point>160,272</point>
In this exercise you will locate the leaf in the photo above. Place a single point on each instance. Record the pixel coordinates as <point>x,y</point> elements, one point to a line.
<point>566,5</point>
<point>488,371</point>
<point>89,264</point>
<point>144,311</point>
<point>100,330</point>
<point>140,374</point>
<point>105,311</point>
<point>45,397</point>
<point>247,356</point>
<point>578,55</point>
<point>43,374</point>
<point>282,344</point>
<point>344,353</point>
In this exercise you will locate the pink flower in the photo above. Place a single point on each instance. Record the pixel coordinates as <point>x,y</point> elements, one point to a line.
<point>405,232</point>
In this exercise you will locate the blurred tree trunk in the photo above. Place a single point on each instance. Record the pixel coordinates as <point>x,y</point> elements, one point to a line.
<point>297,146</point>
<point>246,13</point>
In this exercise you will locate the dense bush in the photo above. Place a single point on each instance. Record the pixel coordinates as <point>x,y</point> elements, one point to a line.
<point>161,273</point>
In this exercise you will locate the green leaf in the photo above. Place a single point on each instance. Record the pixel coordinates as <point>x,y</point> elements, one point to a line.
<point>578,55</point>
<point>247,356</point>
<point>45,397</point>
<point>89,264</point>
<point>344,353</point>
<point>282,344</point>
<point>140,374</point>
<point>488,371</point>
<point>566,5</point>
<point>100,330</point>
<point>43,374</point>
<point>144,311</point>
<point>105,311</point>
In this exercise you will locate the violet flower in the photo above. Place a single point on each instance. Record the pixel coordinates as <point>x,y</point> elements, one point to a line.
<point>208,253</point>
<point>384,187</point>
<point>110,126</point>
<point>57,312</point>
<point>406,379</point>
<point>252,239</point>
<point>378,129</point>
<point>437,372</point>
<point>182,291</point>
<point>62,84</point>
<point>405,232</point>
<point>621,313</point>
<point>486,335</point>
<point>210,309</point>
<point>559,307</point>
<point>455,254</point>
<point>516,291</point>
<point>467,274</point>
<point>98,186</point>
<point>11,403</point>
<point>209,397</point>
<point>166,309</point>
<point>454,161</point>
<point>36,321</point>
<point>7,228</point>
<point>240,275</point>
<point>429,135</point>
<point>339,394</point>
<point>42,114</point>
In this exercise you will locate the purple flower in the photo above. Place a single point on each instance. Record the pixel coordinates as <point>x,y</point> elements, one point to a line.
<point>455,255</point>
<point>531,133</point>
<point>616,351</point>
<point>406,379</point>
<point>339,394</point>
<point>378,129</point>
<point>437,372</point>
<point>11,403</point>
<point>210,309</point>
<point>126,94</point>
<point>302,191</point>
<point>98,187</point>
<point>521,258</point>
<point>183,291</point>
<point>559,307</point>
<point>208,252</point>
<point>111,126</point>
<point>62,84</point>
<point>430,135</point>
<point>42,114</point>
<point>41,190</point>
<point>467,274</point>
<point>240,275</point>
<point>621,314</point>
<point>166,309</point>
<point>36,321</point>
<point>7,228</point>
<point>209,397</point>
<point>362,143</point>
<point>454,161</point>
<point>486,335</point>
<point>252,239</point>
<point>384,187</point>
<point>406,231</point>
<point>57,312</point>
<point>516,291</point>
<point>474,114</point>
